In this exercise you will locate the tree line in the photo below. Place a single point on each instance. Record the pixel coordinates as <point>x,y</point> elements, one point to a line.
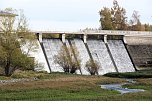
<point>115,19</point>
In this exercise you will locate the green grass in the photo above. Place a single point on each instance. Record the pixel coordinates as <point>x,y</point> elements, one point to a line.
<point>67,87</point>
<point>138,74</point>
<point>56,94</point>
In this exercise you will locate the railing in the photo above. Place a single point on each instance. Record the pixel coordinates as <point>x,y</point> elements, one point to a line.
<point>101,32</point>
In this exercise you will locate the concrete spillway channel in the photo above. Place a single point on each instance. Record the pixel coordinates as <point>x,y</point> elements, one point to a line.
<point>52,47</point>
<point>120,56</point>
<point>112,59</point>
<point>100,53</point>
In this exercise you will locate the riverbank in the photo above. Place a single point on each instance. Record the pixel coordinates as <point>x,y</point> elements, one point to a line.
<point>63,87</point>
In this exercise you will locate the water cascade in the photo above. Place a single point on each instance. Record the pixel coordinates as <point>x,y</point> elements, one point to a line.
<point>83,54</point>
<point>51,47</point>
<point>120,56</point>
<point>99,53</point>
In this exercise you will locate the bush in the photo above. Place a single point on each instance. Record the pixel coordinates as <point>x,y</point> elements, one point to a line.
<point>66,59</point>
<point>92,67</point>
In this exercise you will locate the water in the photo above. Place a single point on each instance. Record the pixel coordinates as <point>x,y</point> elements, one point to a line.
<point>120,56</point>
<point>118,87</point>
<point>83,54</point>
<point>99,53</point>
<point>52,47</point>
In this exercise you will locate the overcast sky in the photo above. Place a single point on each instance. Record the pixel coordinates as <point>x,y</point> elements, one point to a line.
<point>72,15</point>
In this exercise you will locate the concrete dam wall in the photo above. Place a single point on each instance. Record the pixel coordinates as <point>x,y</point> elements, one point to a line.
<point>141,55</point>
<point>112,56</point>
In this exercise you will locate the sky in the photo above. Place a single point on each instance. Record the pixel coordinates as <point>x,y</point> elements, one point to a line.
<point>73,15</point>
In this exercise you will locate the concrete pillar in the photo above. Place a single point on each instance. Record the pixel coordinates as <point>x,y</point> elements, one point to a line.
<point>63,38</point>
<point>40,37</point>
<point>124,39</point>
<point>85,38</point>
<point>105,39</point>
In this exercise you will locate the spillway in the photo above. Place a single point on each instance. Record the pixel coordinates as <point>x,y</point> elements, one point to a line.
<point>120,55</point>
<point>99,53</point>
<point>117,58</point>
<point>52,47</point>
<point>83,54</point>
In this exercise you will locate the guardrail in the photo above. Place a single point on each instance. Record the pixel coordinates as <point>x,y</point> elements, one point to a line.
<point>102,32</point>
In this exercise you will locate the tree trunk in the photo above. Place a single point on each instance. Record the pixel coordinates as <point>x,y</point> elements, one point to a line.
<point>7,68</point>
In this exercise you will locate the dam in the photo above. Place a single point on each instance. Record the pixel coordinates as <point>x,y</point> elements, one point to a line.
<point>115,51</point>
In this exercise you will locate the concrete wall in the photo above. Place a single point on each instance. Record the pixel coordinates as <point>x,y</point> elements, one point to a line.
<point>141,54</point>
<point>138,40</point>
<point>38,54</point>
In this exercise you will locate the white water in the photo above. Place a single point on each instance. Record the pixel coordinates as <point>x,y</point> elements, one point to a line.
<point>99,53</point>
<point>52,46</point>
<point>83,54</point>
<point>120,56</point>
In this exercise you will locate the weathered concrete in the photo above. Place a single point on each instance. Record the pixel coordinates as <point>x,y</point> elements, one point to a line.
<point>63,38</point>
<point>105,39</point>
<point>138,40</point>
<point>40,37</point>
<point>85,38</point>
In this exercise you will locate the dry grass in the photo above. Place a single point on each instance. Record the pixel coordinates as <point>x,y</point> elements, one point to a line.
<point>145,81</point>
<point>69,87</point>
<point>62,81</point>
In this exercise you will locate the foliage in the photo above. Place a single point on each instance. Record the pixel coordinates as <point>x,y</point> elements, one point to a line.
<point>47,36</point>
<point>148,27</point>
<point>105,19</point>
<point>92,67</point>
<point>114,18</point>
<point>119,19</point>
<point>67,59</point>
<point>14,35</point>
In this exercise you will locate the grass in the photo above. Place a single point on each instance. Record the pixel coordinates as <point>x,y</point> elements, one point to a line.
<point>138,74</point>
<point>67,87</point>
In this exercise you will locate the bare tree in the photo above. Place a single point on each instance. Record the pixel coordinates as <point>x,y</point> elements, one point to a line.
<point>135,22</point>
<point>66,59</point>
<point>92,67</point>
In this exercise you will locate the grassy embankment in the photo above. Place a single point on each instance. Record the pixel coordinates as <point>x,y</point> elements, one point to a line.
<point>60,86</point>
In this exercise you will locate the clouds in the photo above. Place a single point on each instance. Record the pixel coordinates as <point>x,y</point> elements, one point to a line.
<point>68,14</point>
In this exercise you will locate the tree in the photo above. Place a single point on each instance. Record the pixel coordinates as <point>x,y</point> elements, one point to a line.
<point>92,67</point>
<point>105,19</point>
<point>148,27</point>
<point>135,22</point>
<point>14,34</point>
<point>119,19</point>
<point>66,59</point>
<point>114,18</point>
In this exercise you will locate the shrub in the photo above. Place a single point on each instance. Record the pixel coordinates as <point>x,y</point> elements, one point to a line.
<point>67,59</point>
<point>92,67</point>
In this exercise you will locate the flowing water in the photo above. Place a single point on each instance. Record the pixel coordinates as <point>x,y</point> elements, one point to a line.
<point>99,53</point>
<point>120,56</point>
<point>51,47</point>
<point>83,54</point>
<point>119,88</point>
